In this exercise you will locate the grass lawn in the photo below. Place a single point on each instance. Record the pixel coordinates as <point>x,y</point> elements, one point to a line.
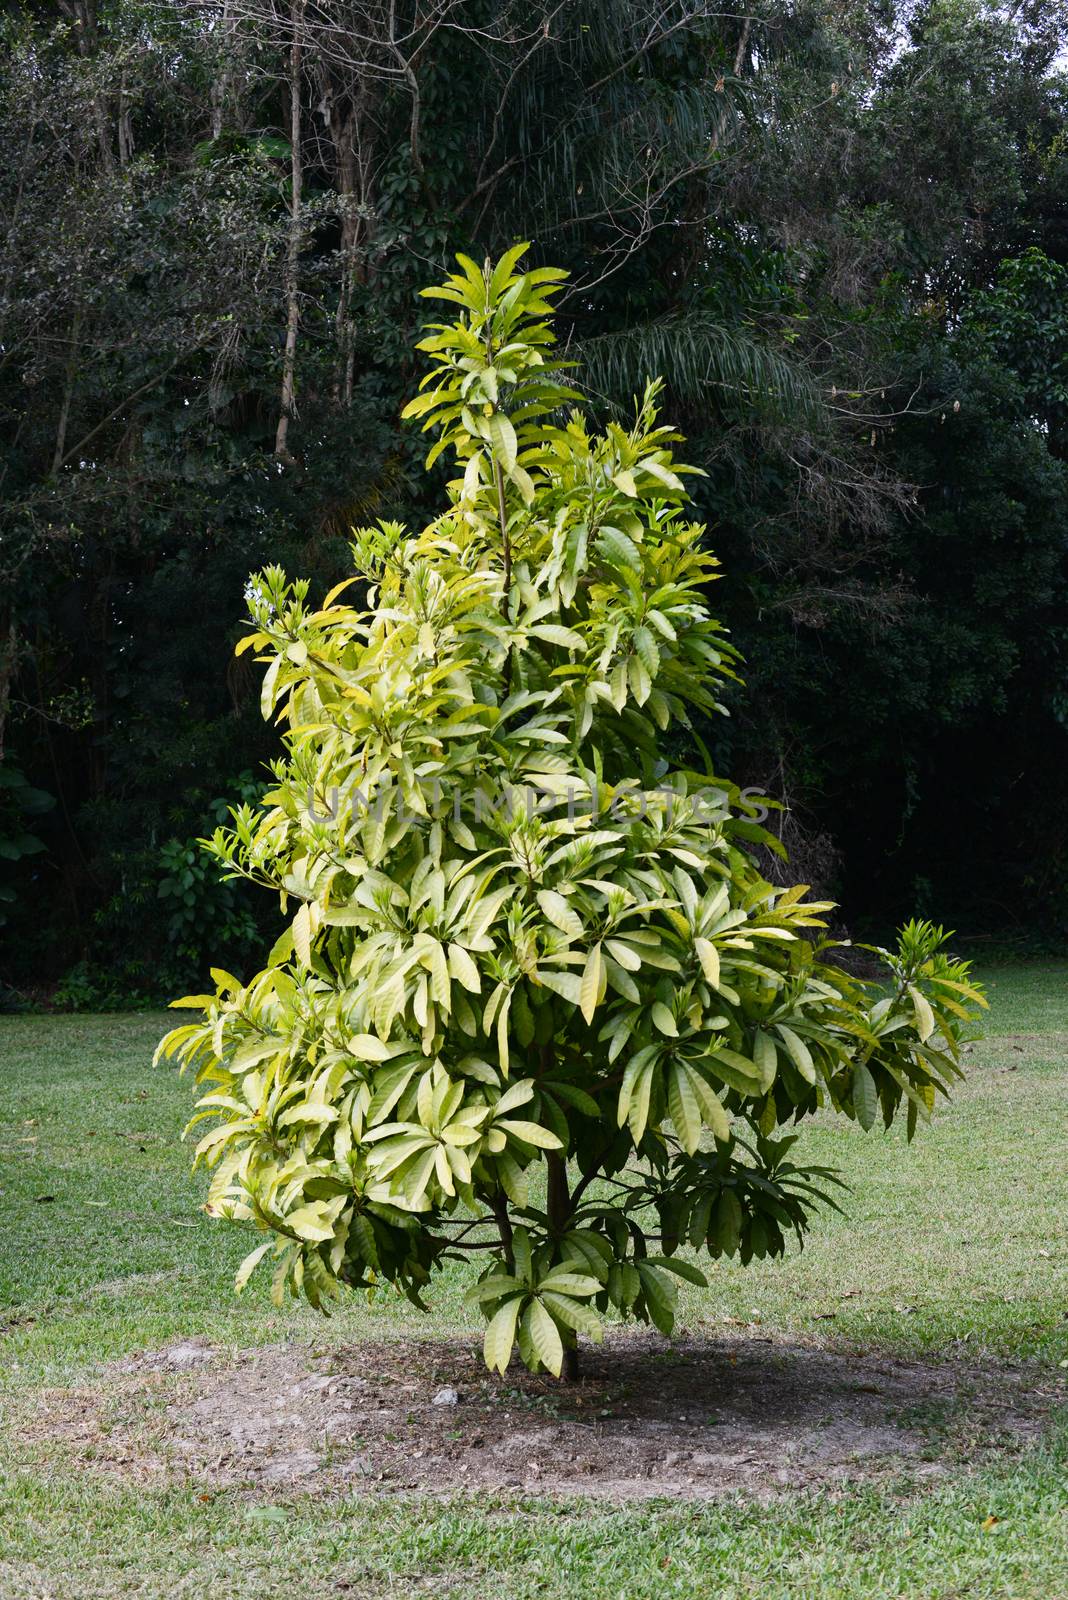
<point>955,1248</point>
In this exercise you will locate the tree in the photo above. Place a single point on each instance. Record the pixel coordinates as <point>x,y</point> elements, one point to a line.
<point>518,941</point>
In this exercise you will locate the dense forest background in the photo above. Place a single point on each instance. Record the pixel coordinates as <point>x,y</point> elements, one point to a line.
<point>838,227</point>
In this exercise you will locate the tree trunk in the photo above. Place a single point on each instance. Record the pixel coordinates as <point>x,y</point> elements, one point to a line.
<point>504,1227</point>
<point>348,103</point>
<point>60,451</point>
<point>289,359</point>
<point>124,128</point>
<point>83,17</point>
<point>220,87</point>
<point>559,1209</point>
<point>343,133</point>
<point>9,651</point>
<point>559,1197</point>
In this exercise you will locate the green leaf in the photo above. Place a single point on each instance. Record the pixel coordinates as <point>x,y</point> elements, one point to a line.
<point>640,682</point>
<point>727,1226</point>
<point>573,1314</point>
<point>254,1052</point>
<point>662,1019</point>
<point>661,1296</point>
<point>921,1010</point>
<point>248,1266</point>
<point>267,691</point>
<point>504,441</point>
<point>560,913</point>
<point>530,1133</point>
<point>735,1070</point>
<point>625,954</point>
<point>368,1047</point>
<point>645,645</point>
<point>566,984</point>
<point>524,483</point>
<point>681,1269</point>
<point>618,550</point>
<point>712,1108</point>
<point>572,1095</point>
<point>798,1052</point>
<point>684,1107</point>
<point>766,1058</point>
<point>500,1335</point>
<point>590,984</point>
<point>865,1096</point>
<point>463,969</point>
<point>521,1253</point>
<point>440,985</point>
<point>513,1179</point>
<point>309,1222</point>
<point>567,638</point>
<point>503,271</point>
<point>545,1337</point>
<point>302,934</point>
<point>700,1220</point>
<point>561,1281</point>
<point>708,956</point>
<point>518,1095</point>
<point>635,1091</point>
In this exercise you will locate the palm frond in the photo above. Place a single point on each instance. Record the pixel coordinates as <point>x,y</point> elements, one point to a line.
<point>696,354</point>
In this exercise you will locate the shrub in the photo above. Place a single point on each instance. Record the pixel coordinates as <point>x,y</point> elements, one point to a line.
<point>203,907</point>
<point>517,946</point>
<point>19,801</point>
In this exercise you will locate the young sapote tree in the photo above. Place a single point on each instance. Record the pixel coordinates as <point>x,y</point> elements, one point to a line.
<point>534,1003</point>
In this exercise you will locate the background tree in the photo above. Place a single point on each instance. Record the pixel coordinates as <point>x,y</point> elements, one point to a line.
<point>787,211</point>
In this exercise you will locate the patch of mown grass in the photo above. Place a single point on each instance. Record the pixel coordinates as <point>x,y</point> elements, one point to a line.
<point>989,1535</point>
<point>955,1244</point>
<point>1027,999</point>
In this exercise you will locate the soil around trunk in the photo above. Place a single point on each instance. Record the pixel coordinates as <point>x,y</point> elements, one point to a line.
<point>697,1419</point>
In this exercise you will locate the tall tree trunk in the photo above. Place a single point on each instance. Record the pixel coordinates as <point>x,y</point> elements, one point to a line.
<point>342,132</point>
<point>60,450</point>
<point>9,650</point>
<point>289,359</point>
<point>83,18</point>
<point>348,107</point>
<point>220,86</point>
<point>125,129</point>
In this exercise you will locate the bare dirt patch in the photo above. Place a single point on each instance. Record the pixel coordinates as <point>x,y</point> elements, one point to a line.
<point>696,1419</point>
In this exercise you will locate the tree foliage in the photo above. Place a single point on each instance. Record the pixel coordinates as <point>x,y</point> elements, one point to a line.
<point>516,937</point>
